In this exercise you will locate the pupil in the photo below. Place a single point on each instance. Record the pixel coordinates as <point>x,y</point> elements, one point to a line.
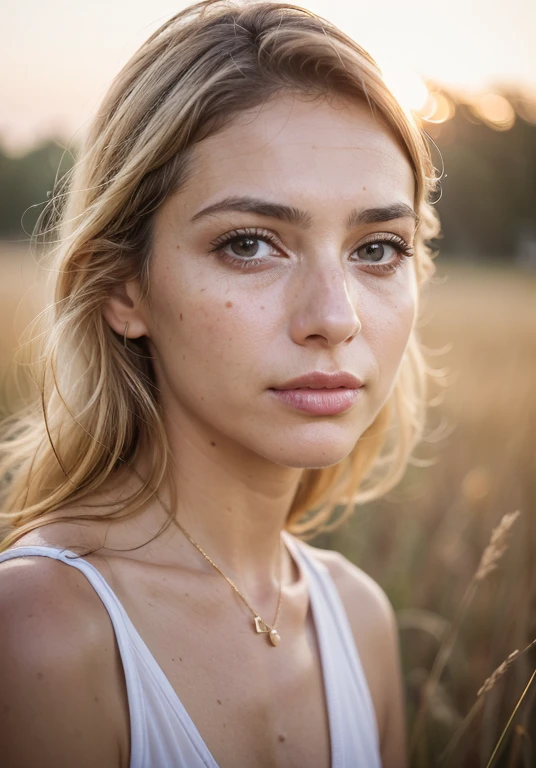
<point>243,244</point>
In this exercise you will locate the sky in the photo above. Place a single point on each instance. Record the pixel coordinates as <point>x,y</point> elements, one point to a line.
<point>58,57</point>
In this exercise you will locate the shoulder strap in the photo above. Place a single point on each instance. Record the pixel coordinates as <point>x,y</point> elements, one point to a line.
<point>119,621</point>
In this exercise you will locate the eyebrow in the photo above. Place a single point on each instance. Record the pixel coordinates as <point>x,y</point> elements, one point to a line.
<point>293,215</point>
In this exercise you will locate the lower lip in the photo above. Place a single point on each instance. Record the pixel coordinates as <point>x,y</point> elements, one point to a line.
<point>320,402</point>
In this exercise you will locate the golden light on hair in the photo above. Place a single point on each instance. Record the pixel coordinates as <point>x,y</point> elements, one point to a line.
<point>407,86</point>
<point>495,111</point>
<point>437,109</point>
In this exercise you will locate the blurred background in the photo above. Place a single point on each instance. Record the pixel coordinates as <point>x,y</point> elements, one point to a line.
<point>468,73</point>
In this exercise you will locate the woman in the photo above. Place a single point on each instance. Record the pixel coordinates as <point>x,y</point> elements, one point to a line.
<point>232,355</point>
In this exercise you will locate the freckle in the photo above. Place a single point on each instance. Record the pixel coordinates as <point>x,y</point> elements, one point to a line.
<point>186,594</point>
<point>202,289</point>
<point>213,444</point>
<point>281,737</point>
<point>180,658</point>
<point>364,189</point>
<point>184,357</point>
<point>40,675</point>
<point>219,702</point>
<point>180,315</point>
<point>228,304</point>
<point>30,615</point>
<point>202,398</point>
<point>96,698</point>
<point>262,307</point>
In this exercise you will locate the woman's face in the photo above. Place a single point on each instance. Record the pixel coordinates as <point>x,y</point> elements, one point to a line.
<point>299,289</point>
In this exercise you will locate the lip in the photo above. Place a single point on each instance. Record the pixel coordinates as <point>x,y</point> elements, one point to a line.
<point>320,393</point>
<point>322,380</point>
<point>318,402</point>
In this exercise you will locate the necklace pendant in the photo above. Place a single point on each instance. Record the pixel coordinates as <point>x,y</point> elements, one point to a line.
<point>260,625</point>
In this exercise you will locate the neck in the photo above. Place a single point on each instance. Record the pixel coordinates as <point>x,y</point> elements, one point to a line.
<point>232,502</point>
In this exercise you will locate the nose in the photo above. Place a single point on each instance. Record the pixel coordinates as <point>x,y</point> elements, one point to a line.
<point>323,307</point>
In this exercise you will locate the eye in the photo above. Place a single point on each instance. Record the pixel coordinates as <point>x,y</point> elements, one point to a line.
<point>246,246</point>
<point>376,251</point>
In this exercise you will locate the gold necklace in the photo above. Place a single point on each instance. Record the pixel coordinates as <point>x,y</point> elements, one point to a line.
<point>260,625</point>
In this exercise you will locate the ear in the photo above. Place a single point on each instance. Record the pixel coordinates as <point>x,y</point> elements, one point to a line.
<point>123,306</point>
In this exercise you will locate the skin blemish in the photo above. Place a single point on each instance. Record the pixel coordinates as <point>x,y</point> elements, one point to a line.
<point>262,307</point>
<point>202,289</point>
<point>40,675</point>
<point>219,702</point>
<point>180,315</point>
<point>228,304</point>
<point>213,444</point>
<point>282,737</point>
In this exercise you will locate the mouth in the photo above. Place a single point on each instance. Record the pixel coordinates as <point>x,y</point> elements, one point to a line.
<point>320,380</point>
<point>319,401</point>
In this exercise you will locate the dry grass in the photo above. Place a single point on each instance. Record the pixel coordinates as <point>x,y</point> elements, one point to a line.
<point>427,542</point>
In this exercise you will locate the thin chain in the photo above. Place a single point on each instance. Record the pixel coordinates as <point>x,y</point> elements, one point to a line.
<point>255,614</point>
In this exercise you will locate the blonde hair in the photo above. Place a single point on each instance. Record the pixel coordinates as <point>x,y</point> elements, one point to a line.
<point>98,401</point>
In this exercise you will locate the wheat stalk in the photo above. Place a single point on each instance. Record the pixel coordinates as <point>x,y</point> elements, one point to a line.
<point>486,687</point>
<point>488,562</point>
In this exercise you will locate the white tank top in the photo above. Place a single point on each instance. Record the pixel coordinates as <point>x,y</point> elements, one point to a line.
<point>162,734</point>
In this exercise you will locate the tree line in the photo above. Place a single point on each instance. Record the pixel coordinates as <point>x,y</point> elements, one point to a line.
<point>487,193</point>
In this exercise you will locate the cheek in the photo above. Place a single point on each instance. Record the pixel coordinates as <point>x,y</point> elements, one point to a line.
<point>389,332</point>
<point>209,334</point>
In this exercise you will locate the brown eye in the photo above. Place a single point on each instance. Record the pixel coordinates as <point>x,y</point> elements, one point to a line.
<point>244,246</point>
<point>374,251</point>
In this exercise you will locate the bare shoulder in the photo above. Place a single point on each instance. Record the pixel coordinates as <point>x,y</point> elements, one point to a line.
<point>374,626</point>
<point>57,658</point>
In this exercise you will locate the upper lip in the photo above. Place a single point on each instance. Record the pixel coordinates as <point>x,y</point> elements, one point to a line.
<point>322,380</point>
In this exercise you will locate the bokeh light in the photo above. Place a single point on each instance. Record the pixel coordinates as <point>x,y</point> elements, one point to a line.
<point>495,111</point>
<point>437,109</point>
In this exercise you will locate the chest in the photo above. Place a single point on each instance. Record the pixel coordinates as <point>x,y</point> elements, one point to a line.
<point>252,703</point>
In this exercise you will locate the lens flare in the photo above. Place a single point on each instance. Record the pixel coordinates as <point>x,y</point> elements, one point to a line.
<point>495,111</point>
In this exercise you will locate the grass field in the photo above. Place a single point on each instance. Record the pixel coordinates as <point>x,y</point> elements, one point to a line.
<point>423,543</point>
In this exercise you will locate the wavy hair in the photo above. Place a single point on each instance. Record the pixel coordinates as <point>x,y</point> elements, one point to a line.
<point>97,399</point>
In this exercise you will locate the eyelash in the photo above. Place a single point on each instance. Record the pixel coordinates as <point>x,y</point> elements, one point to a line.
<point>403,250</point>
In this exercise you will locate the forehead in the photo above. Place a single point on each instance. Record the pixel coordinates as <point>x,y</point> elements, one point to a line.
<point>290,146</point>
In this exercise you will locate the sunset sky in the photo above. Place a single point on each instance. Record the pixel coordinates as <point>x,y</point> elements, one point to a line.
<point>58,57</point>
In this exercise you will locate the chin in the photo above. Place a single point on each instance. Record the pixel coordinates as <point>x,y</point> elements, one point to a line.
<point>318,449</point>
